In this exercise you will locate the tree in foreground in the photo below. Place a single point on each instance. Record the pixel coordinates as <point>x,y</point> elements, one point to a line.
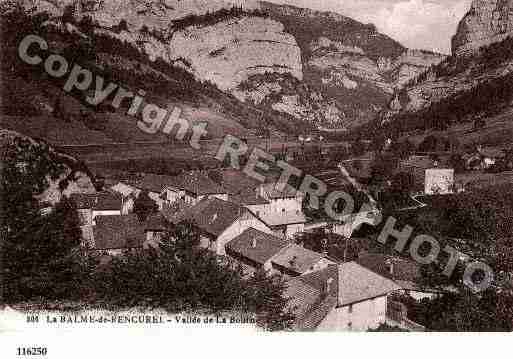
<point>490,311</point>
<point>40,253</point>
<point>269,301</point>
<point>144,206</point>
<point>182,277</point>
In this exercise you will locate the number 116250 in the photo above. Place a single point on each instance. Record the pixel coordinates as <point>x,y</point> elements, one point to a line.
<point>32,351</point>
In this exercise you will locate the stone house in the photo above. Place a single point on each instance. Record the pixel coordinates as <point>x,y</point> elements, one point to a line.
<point>345,297</point>
<point>218,222</point>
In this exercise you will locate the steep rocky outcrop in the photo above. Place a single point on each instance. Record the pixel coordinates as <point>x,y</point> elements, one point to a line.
<point>322,67</point>
<point>152,13</point>
<point>231,51</point>
<point>487,21</point>
<point>351,68</point>
<point>412,63</point>
<point>474,82</point>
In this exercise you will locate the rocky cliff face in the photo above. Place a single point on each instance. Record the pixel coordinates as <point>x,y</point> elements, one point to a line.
<point>350,70</point>
<point>152,13</point>
<point>360,81</point>
<point>412,63</point>
<point>487,21</point>
<point>231,51</point>
<point>321,67</point>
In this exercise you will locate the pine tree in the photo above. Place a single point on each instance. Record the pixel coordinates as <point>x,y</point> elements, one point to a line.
<point>144,206</point>
<point>270,303</point>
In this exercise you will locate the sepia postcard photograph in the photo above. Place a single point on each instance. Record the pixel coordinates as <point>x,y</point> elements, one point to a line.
<point>246,178</point>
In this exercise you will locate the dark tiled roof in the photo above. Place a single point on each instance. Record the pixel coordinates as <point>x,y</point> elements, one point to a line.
<point>403,269</point>
<point>196,182</point>
<point>297,259</point>
<point>310,299</point>
<point>316,315</point>
<point>103,201</point>
<point>357,284</point>
<point>248,198</point>
<point>405,273</point>
<point>234,181</point>
<point>318,279</point>
<point>118,232</point>
<point>152,182</point>
<point>302,297</point>
<point>211,215</point>
<point>266,245</point>
<point>271,191</point>
<point>351,283</point>
<point>108,201</point>
<point>157,223</point>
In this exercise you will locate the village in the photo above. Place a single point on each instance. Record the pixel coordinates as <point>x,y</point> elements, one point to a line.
<point>255,226</point>
<point>255,177</point>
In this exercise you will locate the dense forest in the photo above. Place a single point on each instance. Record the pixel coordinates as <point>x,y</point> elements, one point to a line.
<point>212,18</point>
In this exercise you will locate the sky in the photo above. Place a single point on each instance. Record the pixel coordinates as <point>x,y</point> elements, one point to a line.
<point>417,24</point>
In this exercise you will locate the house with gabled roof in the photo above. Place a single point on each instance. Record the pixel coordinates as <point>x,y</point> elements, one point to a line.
<point>254,249</point>
<point>218,221</point>
<point>234,181</point>
<point>285,224</point>
<point>284,214</point>
<point>105,203</point>
<point>192,187</point>
<point>156,226</point>
<point>340,297</point>
<point>241,189</point>
<point>153,184</point>
<point>90,206</point>
<point>128,193</point>
<point>286,199</point>
<point>294,260</point>
<point>404,272</point>
<point>114,235</point>
<point>252,201</point>
<point>188,187</point>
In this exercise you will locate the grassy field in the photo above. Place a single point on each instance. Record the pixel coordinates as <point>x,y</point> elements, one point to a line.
<point>498,132</point>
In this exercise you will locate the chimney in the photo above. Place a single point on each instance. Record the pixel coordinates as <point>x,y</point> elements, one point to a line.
<point>327,287</point>
<point>390,266</point>
<point>261,190</point>
<point>329,283</point>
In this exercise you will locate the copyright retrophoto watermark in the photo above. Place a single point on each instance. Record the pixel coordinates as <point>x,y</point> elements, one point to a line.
<point>301,171</point>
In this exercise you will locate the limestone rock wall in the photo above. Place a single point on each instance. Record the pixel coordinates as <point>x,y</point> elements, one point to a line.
<point>487,21</point>
<point>229,52</point>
